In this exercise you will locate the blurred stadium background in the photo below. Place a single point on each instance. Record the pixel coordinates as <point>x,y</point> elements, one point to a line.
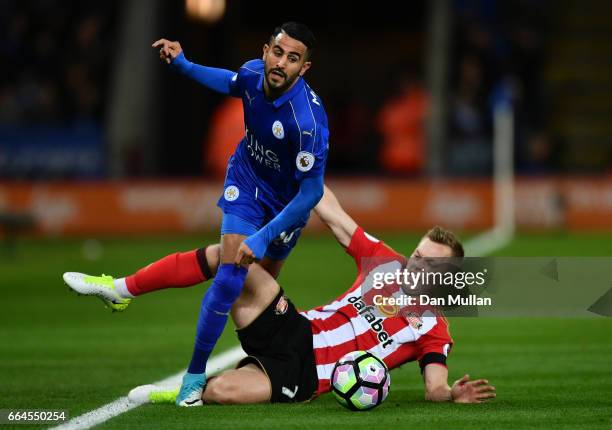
<point>489,117</point>
<point>90,119</point>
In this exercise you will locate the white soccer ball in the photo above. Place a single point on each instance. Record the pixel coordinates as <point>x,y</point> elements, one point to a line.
<point>360,381</point>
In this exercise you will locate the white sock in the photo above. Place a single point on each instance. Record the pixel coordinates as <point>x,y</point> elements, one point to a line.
<point>122,289</point>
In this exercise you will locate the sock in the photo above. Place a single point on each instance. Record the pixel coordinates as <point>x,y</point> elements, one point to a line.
<point>182,269</point>
<point>122,289</point>
<point>214,312</point>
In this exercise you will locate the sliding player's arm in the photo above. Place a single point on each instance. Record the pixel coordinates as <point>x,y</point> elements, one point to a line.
<point>462,391</point>
<point>334,216</point>
<point>219,80</point>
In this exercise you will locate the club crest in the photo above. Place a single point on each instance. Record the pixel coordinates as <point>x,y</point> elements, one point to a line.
<point>231,193</point>
<point>277,130</point>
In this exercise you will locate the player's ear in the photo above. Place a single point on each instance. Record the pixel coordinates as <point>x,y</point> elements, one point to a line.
<point>305,67</point>
<point>266,47</point>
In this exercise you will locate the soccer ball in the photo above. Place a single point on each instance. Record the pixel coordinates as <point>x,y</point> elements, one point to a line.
<point>360,381</point>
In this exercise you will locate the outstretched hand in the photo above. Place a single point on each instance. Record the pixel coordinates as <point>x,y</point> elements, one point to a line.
<point>466,391</point>
<point>168,50</point>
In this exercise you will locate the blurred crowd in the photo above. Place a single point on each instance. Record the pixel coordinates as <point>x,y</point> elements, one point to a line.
<point>56,56</point>
<point>499,51</point>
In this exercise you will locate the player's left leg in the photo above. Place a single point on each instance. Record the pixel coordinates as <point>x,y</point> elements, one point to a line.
<point>217,303</point>
<point>178,270</point>
<point>260,289</point>
<point>248,384</point>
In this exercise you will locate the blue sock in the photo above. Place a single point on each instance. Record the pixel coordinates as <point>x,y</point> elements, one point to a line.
<point>216,305</point>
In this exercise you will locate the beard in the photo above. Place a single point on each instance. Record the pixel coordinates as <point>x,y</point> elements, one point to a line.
<point>279,80</point>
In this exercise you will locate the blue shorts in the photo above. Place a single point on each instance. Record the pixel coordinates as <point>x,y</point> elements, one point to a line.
<point>279,249</point>
<point>245,211</point>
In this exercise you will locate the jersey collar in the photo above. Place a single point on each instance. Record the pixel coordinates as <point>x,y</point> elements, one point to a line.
<point>287,95</point>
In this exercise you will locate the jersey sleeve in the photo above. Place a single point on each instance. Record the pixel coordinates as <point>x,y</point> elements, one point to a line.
<point>435,345</point>
<point>310,135</point>
<point>252,69</point>
<point>364,246</point>
<point>311,156</point>
<point>235,85</point>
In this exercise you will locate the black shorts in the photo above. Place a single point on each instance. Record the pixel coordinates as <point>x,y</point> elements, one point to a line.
<point>279,341</point>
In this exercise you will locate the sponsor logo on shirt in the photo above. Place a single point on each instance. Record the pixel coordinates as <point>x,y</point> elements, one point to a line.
<point>388,310</point>
<point>376,324</point>
<point>261,154</point>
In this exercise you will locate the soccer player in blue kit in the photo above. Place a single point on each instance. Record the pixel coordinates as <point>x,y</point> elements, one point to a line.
<point>273,180</point>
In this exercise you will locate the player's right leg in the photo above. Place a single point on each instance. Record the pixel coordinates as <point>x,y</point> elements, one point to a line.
<point>260,289</point>
<point>247,384</point>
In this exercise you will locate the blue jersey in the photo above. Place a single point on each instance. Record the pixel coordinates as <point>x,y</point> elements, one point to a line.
<point>286,140</point>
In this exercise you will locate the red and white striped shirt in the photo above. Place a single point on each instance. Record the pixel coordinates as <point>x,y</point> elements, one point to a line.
<point>348,323</point>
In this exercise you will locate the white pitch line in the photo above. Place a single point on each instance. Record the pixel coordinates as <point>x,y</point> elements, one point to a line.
<point>121,405</point>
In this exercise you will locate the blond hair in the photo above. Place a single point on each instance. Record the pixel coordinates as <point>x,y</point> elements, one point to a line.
<point>446,237</point>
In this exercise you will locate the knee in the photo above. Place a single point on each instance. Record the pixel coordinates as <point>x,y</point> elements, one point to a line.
<point>229,282</point>
<point>222,390</point>
<point>213,257</point>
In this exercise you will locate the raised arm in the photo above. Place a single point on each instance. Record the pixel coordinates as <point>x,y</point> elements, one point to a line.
<point>463,390</point>
<point>219,80</point>
<point>334,216</point>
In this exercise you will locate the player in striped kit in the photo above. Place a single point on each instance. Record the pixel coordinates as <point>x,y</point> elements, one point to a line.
<point>291,354</point>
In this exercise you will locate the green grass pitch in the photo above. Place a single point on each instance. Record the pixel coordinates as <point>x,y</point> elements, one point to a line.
<point>60,351</point>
